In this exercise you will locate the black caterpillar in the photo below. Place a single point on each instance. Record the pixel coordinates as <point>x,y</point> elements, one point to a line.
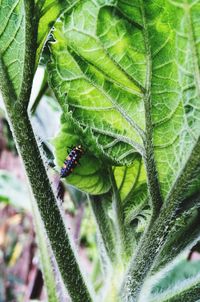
<point>71,161</point>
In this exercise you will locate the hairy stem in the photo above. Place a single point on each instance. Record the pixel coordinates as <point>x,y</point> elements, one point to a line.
<point>16,108</point>
<point>148,251</point>
<point>121,246</point>
<point>185,182</point>
<point>47,205</point>
<point>149,247</point>
<point>100,207</point>
<point>152,178</point>
<point>44,253</point>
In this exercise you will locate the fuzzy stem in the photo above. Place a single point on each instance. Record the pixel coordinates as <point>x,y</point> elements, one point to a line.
<point>16,108</point>
<point>154,240</point>
<point>148,249</point>
<point>47,205</point>
<point>122,249</point>
<point>99,208</point>
<point>149,159</point>
<point>44,251</point>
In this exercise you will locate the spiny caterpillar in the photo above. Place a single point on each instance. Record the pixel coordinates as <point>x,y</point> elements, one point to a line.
<point>71,161</point>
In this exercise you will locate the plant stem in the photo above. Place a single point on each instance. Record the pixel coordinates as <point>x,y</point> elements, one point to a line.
<point>16,108</point>
<point>149,247</point>
<point>155,238</point>
<point>185,182</point>
<point>148,251</point>
<point>47,205</point>
<point>152,177</point>
<point>44,253</point>
<point>122,249</point>
<point>100,207</point>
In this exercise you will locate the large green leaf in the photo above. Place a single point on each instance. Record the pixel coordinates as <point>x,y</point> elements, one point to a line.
<point>120,65</point>
<point>25,26</point>
<point>100,96</point>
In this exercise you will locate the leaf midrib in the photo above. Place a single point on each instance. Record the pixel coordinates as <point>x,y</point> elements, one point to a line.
<point>153,183</point>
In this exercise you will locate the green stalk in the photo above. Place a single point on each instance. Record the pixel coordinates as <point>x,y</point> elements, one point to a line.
<point>16,109</point>
<point>44,252</point>
<point>122,249</point>
<point>47,205</point>
<point>149,158</point>
<point>148,251</point>
<point>99,207</point>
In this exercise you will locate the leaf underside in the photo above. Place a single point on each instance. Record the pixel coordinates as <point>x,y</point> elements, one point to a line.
<point>12,43</point>
<point>99,69</point>
<point>48,12</point>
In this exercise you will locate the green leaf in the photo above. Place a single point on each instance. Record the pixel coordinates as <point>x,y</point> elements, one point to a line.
<point>13,191</point>
<point>90,175</point>
<point>129,178</point>
<point>137,207</point>
<point>16,45</point>
<point>25,26</point>
<point>131,182</point>
<point>180,285</point>
<point>111,58</point>
<point>99,93</point>
<point>48,12</point>
<point>175,86</point>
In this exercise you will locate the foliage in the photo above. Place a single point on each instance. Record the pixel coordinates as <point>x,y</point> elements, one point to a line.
<point>127,78</point>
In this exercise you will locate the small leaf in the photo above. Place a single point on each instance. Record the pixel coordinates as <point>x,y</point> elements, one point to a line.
<point>129,178</point>
<point>131,182</point>
<point>90,176</point>
<point>49,11</point>
<point>181,284</point>
<point>13,43</point>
